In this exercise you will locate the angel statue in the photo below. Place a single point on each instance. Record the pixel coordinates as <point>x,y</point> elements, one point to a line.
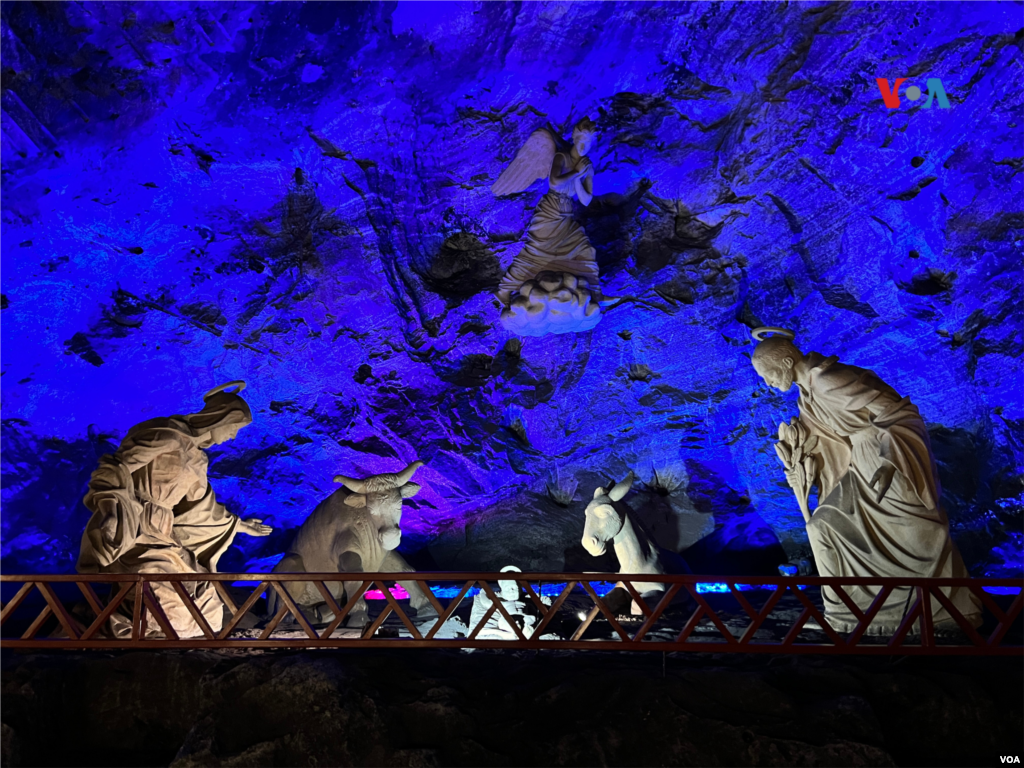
<point>552,285</point>
<point>155,512</point>
<point>867,451</point>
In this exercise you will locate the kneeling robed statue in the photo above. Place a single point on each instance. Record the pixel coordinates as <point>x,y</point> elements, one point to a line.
<point>155,512</point>
<point>867,450</point>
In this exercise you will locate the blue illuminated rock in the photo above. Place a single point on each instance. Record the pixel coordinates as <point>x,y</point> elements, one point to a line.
<point>298,195</point>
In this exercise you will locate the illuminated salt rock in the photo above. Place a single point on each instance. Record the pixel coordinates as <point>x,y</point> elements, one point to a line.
<point>549,286</point>
<point>354,530</point>
<point>552,303</point>
<point>867,451</point>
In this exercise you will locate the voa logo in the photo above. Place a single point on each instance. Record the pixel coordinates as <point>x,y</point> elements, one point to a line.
<point>1009,759</point>
<point>891,95</point>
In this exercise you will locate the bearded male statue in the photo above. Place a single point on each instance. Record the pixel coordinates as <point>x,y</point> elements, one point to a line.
<point>867,450</point>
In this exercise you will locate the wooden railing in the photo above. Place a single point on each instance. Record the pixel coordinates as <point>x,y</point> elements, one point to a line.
<point>67,612</point>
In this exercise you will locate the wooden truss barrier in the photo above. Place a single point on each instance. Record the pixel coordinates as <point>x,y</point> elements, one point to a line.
<point>915,635</point>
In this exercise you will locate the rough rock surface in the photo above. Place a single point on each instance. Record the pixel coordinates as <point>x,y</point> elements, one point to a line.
<point>497,709</point>
<point>298,195</point>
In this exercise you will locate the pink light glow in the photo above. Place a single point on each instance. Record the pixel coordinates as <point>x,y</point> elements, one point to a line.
<point>398,592</point>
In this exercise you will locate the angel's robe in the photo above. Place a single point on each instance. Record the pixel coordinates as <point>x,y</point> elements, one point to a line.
<point>861,424</point>
<point>154,512</point>
<point>555,241</point>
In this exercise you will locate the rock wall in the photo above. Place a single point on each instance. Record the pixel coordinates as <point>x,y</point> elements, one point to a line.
<point>422,708</point>
<point>298,195</point>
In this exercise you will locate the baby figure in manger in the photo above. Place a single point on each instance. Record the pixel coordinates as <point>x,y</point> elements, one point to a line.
<point>552,285</point>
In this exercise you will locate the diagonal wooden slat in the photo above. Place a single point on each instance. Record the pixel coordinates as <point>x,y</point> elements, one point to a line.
<point>286,599</point>
<point>138,615</point>
<point>332,604</point>
<point>482,623</point>
<point>988,602</point>
<point>225,596</point>
<point>543,609</point>
<point>825,626</point>
<point>640,602</point>
<point>396,608</point>
<point>797,628</point>
<point>586,623</point>
<point>906,625</point>
<point>193,609</point>
<point>452,606</point>
<point>58,609</point>
<point>869,615</point>
<point>607,613</point>
<point>724,630</point>
<point>153,604</point>
<point>372,628</point>
<point>553,610</point>
<point>927,626</point>
<point>272,624</point>
<point>959,618</point>
<point>854,608</point>
<point>766,611</point>
<point>12,606</point>
<point>691,624</point>
<point>743,602</point>
<point>1008,618</point>
<point>501,608</point>
<point>239,612</point>
<point>108,611</point>
<point>38,622</point>
<point>91,597</point>
<point>663,604</point>
<point>343,613</point>
<point>429,594</point>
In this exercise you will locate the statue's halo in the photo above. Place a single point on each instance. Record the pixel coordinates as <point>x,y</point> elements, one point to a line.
<point>217,390</point>
<point>759,333</point>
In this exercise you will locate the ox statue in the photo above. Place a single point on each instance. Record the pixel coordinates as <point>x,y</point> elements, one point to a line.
<point>608,519</point>
<point>354,530</point>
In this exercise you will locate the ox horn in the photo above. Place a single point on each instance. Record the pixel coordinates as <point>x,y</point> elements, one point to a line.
<point>356,486</point>
<point>620,489</point>
<point>406,474</point>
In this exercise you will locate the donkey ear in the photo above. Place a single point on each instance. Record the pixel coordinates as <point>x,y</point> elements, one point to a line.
<point>598,491</point>
<point>356,500</point>
<point>621,489</point>
<point>410,489</point>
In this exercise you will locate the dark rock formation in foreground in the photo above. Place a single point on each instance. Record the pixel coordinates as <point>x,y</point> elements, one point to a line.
<point>505,709</point>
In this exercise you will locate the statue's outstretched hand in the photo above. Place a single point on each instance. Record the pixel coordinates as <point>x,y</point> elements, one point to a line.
<point>882,479</point>
<point>254,527</point>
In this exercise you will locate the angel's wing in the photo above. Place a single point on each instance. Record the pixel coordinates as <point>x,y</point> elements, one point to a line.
<point>532,161</point>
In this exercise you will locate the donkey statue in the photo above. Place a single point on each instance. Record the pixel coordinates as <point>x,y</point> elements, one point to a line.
<point>608,519</point>
<point>354,530</point>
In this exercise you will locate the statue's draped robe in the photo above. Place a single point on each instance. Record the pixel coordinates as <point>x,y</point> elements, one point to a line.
<point>861,423</point>
<point>555,242</point>
<point>154,512</point>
